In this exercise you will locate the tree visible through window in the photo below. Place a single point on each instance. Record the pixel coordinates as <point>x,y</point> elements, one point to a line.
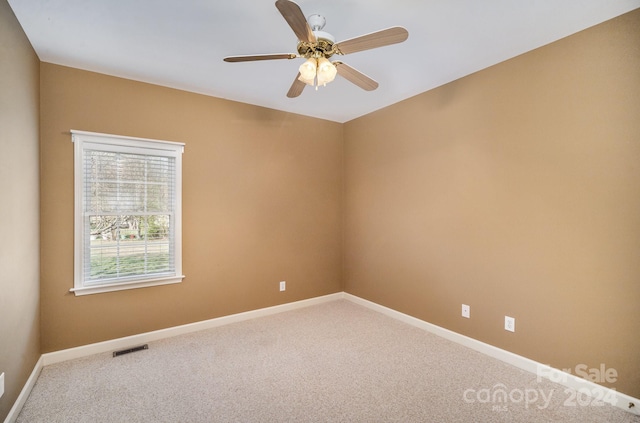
<point>127,212</point>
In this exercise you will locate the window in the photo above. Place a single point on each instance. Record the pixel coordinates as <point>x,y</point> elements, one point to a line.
<point>127,212</point>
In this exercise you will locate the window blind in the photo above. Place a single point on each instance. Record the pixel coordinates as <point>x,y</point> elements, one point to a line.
<point>129,205</point>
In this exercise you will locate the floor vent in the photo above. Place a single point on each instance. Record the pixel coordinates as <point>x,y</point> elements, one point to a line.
<point>130,350</point>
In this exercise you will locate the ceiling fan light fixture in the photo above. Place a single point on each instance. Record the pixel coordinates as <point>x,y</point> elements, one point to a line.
<point>308,70</point>
<point>326,71</point>
<point>318,46</point>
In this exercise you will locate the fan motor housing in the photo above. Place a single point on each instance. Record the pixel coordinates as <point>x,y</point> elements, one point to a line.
<point>322,48</point>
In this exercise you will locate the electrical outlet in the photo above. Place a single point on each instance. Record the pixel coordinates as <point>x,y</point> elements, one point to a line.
<point>510,323</point>
<point>1,385</point>
<point>283,285</point>
<point>466,311</point>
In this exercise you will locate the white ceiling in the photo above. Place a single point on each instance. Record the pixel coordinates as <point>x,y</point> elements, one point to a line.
<point>181,43</point>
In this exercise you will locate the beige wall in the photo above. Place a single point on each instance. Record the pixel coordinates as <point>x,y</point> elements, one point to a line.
<point>262,197</point>
<point>19,228</point>
<point>515,190</point>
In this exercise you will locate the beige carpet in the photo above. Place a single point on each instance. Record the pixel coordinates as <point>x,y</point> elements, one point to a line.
<point>334,362</point>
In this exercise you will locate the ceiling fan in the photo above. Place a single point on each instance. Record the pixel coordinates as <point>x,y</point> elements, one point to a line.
<point>318,46</point>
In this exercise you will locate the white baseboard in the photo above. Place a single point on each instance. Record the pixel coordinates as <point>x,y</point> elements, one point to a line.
<point>130,341</point>
<point>611,396</point>
<point>24,393</point>
<point>594,390</point>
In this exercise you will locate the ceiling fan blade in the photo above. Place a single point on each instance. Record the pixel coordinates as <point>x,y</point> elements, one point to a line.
<point>260,57</point>
<point>296,87</point>
<point>296,20</point>
<point>355,77</point>
<point>385,37</point>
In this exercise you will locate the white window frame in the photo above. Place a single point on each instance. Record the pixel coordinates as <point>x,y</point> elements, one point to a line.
<point>91,140</point>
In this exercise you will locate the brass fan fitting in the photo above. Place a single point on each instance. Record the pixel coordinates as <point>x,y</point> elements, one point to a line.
<point>321,48</point>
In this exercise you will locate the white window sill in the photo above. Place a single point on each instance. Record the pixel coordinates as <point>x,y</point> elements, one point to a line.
<point>97,289</point>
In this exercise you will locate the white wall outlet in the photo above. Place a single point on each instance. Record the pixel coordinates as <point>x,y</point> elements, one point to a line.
<point>510,323</point>
<point>1,385</point>
<point>283,285</point>
<point>466,311</point>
